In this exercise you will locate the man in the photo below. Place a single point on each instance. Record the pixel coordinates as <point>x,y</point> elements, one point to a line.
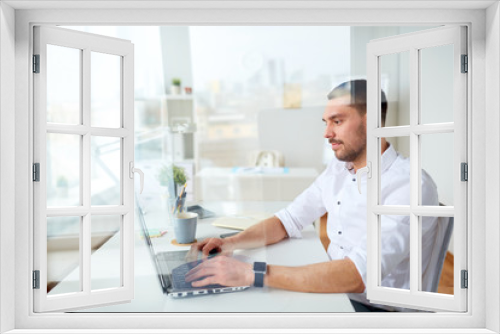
<point>334,191</point>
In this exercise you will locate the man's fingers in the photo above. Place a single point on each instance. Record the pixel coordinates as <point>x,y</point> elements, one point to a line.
<point>206,281</point>
<point>200,273</point>
<point>202,244</point>
<point>211,244</point>
<point>205,268</point>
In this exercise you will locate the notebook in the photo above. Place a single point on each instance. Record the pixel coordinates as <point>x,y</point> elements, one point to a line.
<point>240,222</point>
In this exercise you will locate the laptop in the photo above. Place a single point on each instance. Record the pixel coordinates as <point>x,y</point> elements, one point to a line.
<point>172,266</point>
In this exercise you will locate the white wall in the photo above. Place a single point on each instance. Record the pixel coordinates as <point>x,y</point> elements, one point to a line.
<point>176,54</point>
<point>300,138</point>
<point>7,160</point>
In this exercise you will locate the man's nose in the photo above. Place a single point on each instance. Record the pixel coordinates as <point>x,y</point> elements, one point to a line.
<point>329,133</point>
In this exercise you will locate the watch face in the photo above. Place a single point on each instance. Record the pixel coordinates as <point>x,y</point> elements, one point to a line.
<point>260,267</point>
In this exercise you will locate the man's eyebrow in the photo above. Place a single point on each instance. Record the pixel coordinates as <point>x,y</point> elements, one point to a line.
<point>333,116</point>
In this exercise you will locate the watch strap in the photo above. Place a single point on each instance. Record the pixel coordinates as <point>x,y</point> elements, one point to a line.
<point>259,280</point>
<point>260,269</point>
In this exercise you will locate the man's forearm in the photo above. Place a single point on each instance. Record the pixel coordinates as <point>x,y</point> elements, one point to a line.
<point>338,276</point>
<point>267,232</point>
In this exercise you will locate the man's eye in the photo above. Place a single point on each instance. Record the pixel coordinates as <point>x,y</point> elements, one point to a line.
<point>337,122</point>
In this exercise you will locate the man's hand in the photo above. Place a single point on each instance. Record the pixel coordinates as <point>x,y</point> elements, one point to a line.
<point>223,246</point>
<point>221,270</point>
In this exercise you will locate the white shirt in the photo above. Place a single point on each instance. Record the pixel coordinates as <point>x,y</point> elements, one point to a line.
<point>335,191</point>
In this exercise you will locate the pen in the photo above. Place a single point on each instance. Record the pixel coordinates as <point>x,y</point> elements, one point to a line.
<point>179,199</point>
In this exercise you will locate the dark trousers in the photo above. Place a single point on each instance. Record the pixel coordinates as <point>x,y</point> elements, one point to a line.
<point>358,307</point>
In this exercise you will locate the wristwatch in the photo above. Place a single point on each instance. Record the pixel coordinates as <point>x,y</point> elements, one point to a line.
<point>260,269</point>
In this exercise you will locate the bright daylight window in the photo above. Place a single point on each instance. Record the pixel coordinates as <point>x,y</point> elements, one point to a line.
<point>228,125</point>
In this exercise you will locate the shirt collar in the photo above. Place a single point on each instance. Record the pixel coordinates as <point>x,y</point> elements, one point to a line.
<point>388,157</point>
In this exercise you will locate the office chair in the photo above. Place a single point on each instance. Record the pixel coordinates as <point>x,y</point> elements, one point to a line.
<point>442,249</point>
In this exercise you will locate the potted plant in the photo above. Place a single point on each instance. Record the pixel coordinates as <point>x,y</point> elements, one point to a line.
<point>172,177</point>
<point>175,89</point>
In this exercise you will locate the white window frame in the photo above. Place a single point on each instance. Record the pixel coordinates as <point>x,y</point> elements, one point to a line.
<point>413,43</point>
<point>86,43</point>
<point>484,105</point>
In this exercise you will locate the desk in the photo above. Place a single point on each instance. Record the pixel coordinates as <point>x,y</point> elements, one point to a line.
<point>293,252</point>
<point>224,184</point>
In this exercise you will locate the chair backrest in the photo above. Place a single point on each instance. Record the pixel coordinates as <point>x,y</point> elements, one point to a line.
<point>441,249</point>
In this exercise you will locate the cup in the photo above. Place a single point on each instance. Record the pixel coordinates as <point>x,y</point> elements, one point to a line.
<point>185,227</point>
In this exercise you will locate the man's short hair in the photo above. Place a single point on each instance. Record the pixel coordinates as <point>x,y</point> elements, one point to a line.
<point>356,89</point>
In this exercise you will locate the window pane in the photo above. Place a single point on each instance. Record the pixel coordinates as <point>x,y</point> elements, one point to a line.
<point>394,81</point>
<point>63,85</point>
<point>401,145</point>
<point>63,255</point>
<point>106,170</point>
<point>436,84</point>
<point>105,90</point>
<point>63,169</point>
<point>436,152</point>
<point>437,254</point>
<point>106,252</point>
<point>395,251</point>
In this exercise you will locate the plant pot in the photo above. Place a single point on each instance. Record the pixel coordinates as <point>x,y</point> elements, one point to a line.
<point>175,90</point>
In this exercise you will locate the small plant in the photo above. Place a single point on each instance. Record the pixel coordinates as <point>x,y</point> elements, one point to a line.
<point>168,172</point>
<point>176,82</point>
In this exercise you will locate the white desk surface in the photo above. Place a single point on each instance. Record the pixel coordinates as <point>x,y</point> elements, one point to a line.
<point>293,252</point>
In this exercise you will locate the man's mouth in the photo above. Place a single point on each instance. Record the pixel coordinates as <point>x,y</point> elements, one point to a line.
<point>335,144</point>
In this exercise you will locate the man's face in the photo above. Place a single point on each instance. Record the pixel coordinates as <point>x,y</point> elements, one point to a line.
<point>345,130</point>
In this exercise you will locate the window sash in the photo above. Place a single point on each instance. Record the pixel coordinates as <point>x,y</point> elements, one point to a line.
<point>413,298</point>
<point>86,43</point>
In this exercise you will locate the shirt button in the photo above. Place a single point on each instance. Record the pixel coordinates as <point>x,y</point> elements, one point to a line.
<point>353,180</point>
<point>338,202</point>
<point>341,247</point>
<point>340,232</point>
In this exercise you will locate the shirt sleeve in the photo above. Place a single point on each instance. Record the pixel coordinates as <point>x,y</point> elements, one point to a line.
<point>306,208</point>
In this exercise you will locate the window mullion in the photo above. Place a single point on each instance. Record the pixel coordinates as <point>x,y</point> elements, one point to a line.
<point>86,234</point>
<point>414,168</point>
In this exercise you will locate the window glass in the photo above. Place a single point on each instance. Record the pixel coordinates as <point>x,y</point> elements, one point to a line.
<point>395,251</point>
<point>105,90</point>
<point>436,84</point>
<point>106,248</point>
<point>106,170</point>
<point>395,82</point>
<point>437,157</point>
<point>63,255</point>
<point>437,271</point>
<point>63,77</point>
<point>63,169</point>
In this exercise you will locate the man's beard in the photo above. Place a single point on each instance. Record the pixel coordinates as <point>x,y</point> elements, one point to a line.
<point>348,153</point>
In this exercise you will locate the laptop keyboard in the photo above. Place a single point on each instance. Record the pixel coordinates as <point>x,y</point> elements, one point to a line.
<point>179,274</point>
<point>177,279</point>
